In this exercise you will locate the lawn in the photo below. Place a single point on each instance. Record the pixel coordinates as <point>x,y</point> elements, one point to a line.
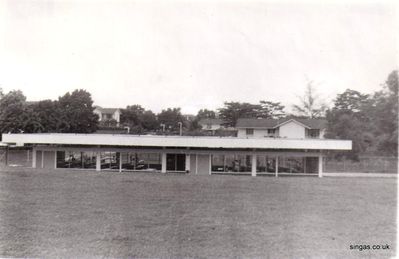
<point>90,214</point>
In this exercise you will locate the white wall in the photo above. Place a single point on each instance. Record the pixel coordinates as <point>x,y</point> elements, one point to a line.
<point>213,126</point>
<point>173,141</point>
<point>292,130</point>
<point>96,111</point>
<point>116,116</point>
<point>258,133</point>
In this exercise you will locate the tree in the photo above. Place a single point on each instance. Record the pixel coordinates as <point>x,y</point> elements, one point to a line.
<point>132,115</point>
<point>12,107</point>
<point>350,119</point>
<point>46,113</point>
<point>205,114</point>
<point>272,110</point>
<point>234,110</point>
<point>171,117</point>
<point>385,117</point>
<point>310,104</point>
<point>76,111</point>
<point>149,121</point>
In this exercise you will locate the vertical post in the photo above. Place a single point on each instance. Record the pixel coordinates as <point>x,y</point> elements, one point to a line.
<point>196,163</point>
<point>210,164</point>
<point>276,166</point>
<point>120,162</point>
<point>6,156</point>
<point>34,158</point>
<point>304,165</point>
<point>320,165</point>
<point>42,159</point>
<point>253,165</point>
<point>55,159</point>
<point>163,158</point>
<point>98,161</point>
<point>188,166</point>
<point>27,155</point>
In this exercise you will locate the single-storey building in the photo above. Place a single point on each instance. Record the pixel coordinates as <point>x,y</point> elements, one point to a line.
<point>195,155</point>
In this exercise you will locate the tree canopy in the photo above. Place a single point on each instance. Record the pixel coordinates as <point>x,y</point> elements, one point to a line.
<point>310,104</point>
<point>370,121</point>
<point>76,112</point>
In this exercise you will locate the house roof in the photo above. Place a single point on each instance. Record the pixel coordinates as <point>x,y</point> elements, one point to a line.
<point>272,123</point>
<point>107,110</point>
<point>210,121</point>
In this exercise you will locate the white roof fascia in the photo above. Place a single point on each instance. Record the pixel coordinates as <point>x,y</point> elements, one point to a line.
<point>177,141</point>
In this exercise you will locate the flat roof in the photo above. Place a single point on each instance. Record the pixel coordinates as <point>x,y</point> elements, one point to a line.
<point>175,141</point>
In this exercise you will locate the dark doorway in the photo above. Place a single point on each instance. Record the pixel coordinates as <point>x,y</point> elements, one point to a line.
<point>175,162</point>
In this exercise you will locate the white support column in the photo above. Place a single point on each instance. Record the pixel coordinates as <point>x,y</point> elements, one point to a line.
<point>210,164</point>
<point>98,161</point>
<point>253,165</point>
<point>55,159</point>
<point>276,166</point>
<point>196,163</point>
<point>188,166</point>
<point>163,159</point>
<point>320,165</point>
<point>42,166</point>
<point>120,162</point>
<point>34,158</point>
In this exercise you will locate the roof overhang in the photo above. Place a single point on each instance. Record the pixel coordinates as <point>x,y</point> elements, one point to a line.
<point>124,140</point>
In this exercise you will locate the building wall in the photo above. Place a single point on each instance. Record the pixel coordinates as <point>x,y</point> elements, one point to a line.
<point>203,164</point>
<point>258,133</point>
<point>292,130</point>
<point>210,126</point>
<point>322,133</point>
<point>38,159</point>
<point>116,116</point>
<point>96,111</point>
<point>192,164</point>
<point>49,159</point>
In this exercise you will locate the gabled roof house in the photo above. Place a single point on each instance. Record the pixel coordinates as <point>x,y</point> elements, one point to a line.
<point>282,128</point>
<point>108,113</point>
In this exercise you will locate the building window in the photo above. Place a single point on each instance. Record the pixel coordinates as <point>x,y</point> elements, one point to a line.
<point>141,161</point>
<point>110,160</point>
<point>312,133</point>
<point>265,164</point>
<point>74,159</point>
<point>271,132</point>
<point>249,132</point>
<point>231,163</point>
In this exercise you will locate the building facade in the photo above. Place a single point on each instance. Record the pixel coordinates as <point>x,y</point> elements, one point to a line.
<point>105,114</point>
<point>283,128</point>
<point>195,155</point>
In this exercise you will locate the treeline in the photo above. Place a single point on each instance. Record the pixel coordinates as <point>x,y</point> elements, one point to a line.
<point>369,120</point>
<point>71,113</point>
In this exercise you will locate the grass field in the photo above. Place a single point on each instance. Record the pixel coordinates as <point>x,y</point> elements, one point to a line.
<point>90,214</point>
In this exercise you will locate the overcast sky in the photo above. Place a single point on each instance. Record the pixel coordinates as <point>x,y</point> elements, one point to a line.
<point>193,54</point>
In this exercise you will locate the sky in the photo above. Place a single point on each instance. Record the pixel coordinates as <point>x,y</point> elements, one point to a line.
<point>195,54</point>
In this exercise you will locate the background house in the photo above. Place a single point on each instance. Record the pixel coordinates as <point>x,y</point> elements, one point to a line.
<point>282,128</point>
<point>106,114</point>
<point>211,124</point>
